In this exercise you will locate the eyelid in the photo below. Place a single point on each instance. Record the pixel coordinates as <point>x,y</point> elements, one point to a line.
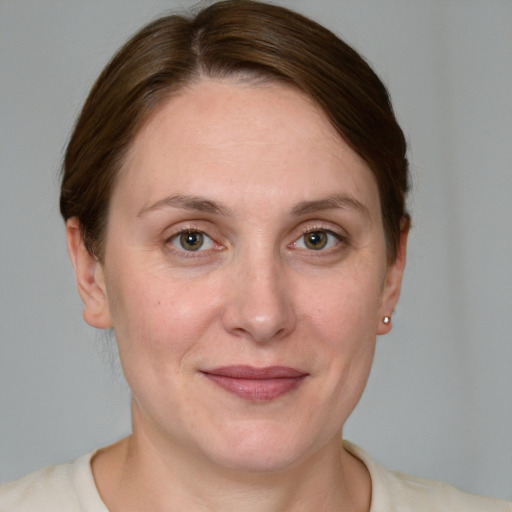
<point>206,241</point>
<point>342,239</point>
<point>190,228</point>
<point>328,233</point>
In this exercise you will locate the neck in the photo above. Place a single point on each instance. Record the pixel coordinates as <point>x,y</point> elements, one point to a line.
<point>147,472</point>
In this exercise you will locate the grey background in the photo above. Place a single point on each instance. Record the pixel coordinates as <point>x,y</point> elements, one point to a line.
<point>439,401</point>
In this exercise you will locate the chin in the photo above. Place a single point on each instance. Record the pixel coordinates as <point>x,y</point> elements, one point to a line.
<point>262,449</point>
<point>257,461</point>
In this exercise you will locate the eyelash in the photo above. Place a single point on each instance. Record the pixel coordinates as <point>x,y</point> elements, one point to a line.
<point>191,253</point>
<point>339,242</point>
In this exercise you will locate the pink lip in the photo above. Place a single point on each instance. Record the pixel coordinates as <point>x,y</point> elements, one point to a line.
<point>256,384</point>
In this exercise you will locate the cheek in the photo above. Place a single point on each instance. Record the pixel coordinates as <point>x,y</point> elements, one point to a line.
<point>345,306</point>
<point>342,321</point>
<point>338,338</point>
<point>156,316</point>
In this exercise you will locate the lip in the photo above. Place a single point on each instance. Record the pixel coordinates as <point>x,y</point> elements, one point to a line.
<point>256,384</point>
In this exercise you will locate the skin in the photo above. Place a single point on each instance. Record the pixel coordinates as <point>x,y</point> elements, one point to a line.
<point>254,168</point>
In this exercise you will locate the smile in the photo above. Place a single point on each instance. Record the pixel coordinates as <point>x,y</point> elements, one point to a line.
<point>257,384</point>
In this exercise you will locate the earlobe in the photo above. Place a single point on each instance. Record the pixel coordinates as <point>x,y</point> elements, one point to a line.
<point>393,285</point>
<point>89,278</point>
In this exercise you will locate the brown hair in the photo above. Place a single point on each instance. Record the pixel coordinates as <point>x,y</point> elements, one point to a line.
<point>230,38</point>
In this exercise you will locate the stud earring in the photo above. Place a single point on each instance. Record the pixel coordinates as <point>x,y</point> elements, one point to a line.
<point>386,320</point>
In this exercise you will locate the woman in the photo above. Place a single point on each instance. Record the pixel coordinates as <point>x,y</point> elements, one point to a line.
<point>234,198</point>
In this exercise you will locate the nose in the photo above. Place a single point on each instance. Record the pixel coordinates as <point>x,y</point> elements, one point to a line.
<point>260,305</point>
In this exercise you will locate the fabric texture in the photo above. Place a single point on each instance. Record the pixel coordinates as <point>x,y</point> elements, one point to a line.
<point>397,492</point>
<point>62,488</point>
<point>71,488</point>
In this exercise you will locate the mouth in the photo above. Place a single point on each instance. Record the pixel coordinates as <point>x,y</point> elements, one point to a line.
<point>256,384</point>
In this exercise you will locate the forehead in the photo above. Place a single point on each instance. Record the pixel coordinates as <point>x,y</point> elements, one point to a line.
<point>254,138</point>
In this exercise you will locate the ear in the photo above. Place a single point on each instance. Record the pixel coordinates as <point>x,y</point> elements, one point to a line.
<point>89,278</point>
<point>393,284</point>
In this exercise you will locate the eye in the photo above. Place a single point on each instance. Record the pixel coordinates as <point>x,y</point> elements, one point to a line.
<point>191,241</point>
<point>317,240</point>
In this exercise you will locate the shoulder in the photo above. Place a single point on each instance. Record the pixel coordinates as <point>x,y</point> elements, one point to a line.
<point>398,492</point>
<point>49,488</point>
<point>412,493</point>
<point>66,487</point>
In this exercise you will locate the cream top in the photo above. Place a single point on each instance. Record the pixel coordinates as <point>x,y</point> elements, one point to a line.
<point>71,488</point>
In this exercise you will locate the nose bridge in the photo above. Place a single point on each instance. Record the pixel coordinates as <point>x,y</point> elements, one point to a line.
<point>261,306</point>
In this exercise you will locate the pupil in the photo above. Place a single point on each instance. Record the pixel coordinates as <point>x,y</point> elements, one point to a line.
<point>316,240</point>
<point>192,241</point>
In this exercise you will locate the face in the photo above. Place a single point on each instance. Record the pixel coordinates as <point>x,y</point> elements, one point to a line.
<point>245,276</point>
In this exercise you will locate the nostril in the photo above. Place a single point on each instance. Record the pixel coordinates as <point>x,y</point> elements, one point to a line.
<point>244,320</point>
<point>259,333</point>
<point>260,305</point>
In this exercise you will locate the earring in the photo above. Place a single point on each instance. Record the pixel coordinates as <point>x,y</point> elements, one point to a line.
<point>386,320</point>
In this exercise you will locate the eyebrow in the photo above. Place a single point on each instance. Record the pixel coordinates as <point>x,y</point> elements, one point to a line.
<point>186,202</point>
<point>199,203</point>
<point>335,201</point>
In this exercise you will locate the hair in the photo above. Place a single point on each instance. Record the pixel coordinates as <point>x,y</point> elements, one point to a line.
<point>233,38</point>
